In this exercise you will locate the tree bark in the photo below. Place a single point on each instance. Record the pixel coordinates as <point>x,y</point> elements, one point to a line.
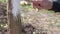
<point>13,16</point>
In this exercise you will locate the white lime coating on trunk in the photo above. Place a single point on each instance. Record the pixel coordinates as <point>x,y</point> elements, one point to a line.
<point>15,7</point>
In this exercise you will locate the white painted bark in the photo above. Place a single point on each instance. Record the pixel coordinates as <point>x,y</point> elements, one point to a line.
<point>15,7</point>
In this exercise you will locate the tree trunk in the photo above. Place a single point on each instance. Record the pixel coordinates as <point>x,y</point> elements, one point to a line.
<point>14,18</point>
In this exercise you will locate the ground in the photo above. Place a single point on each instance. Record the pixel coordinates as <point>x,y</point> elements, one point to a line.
<point>42,22</point>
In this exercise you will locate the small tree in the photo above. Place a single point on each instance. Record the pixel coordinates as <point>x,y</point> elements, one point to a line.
<point>14,18</point>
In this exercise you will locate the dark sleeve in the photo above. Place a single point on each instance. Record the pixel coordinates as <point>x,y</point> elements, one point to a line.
<point>56,6</point>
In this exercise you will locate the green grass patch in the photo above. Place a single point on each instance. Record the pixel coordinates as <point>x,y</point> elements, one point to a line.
<point>58,25</point>
<point>28,7</point>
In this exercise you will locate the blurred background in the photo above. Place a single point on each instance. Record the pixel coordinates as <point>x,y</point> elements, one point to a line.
<point>33,22</point>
